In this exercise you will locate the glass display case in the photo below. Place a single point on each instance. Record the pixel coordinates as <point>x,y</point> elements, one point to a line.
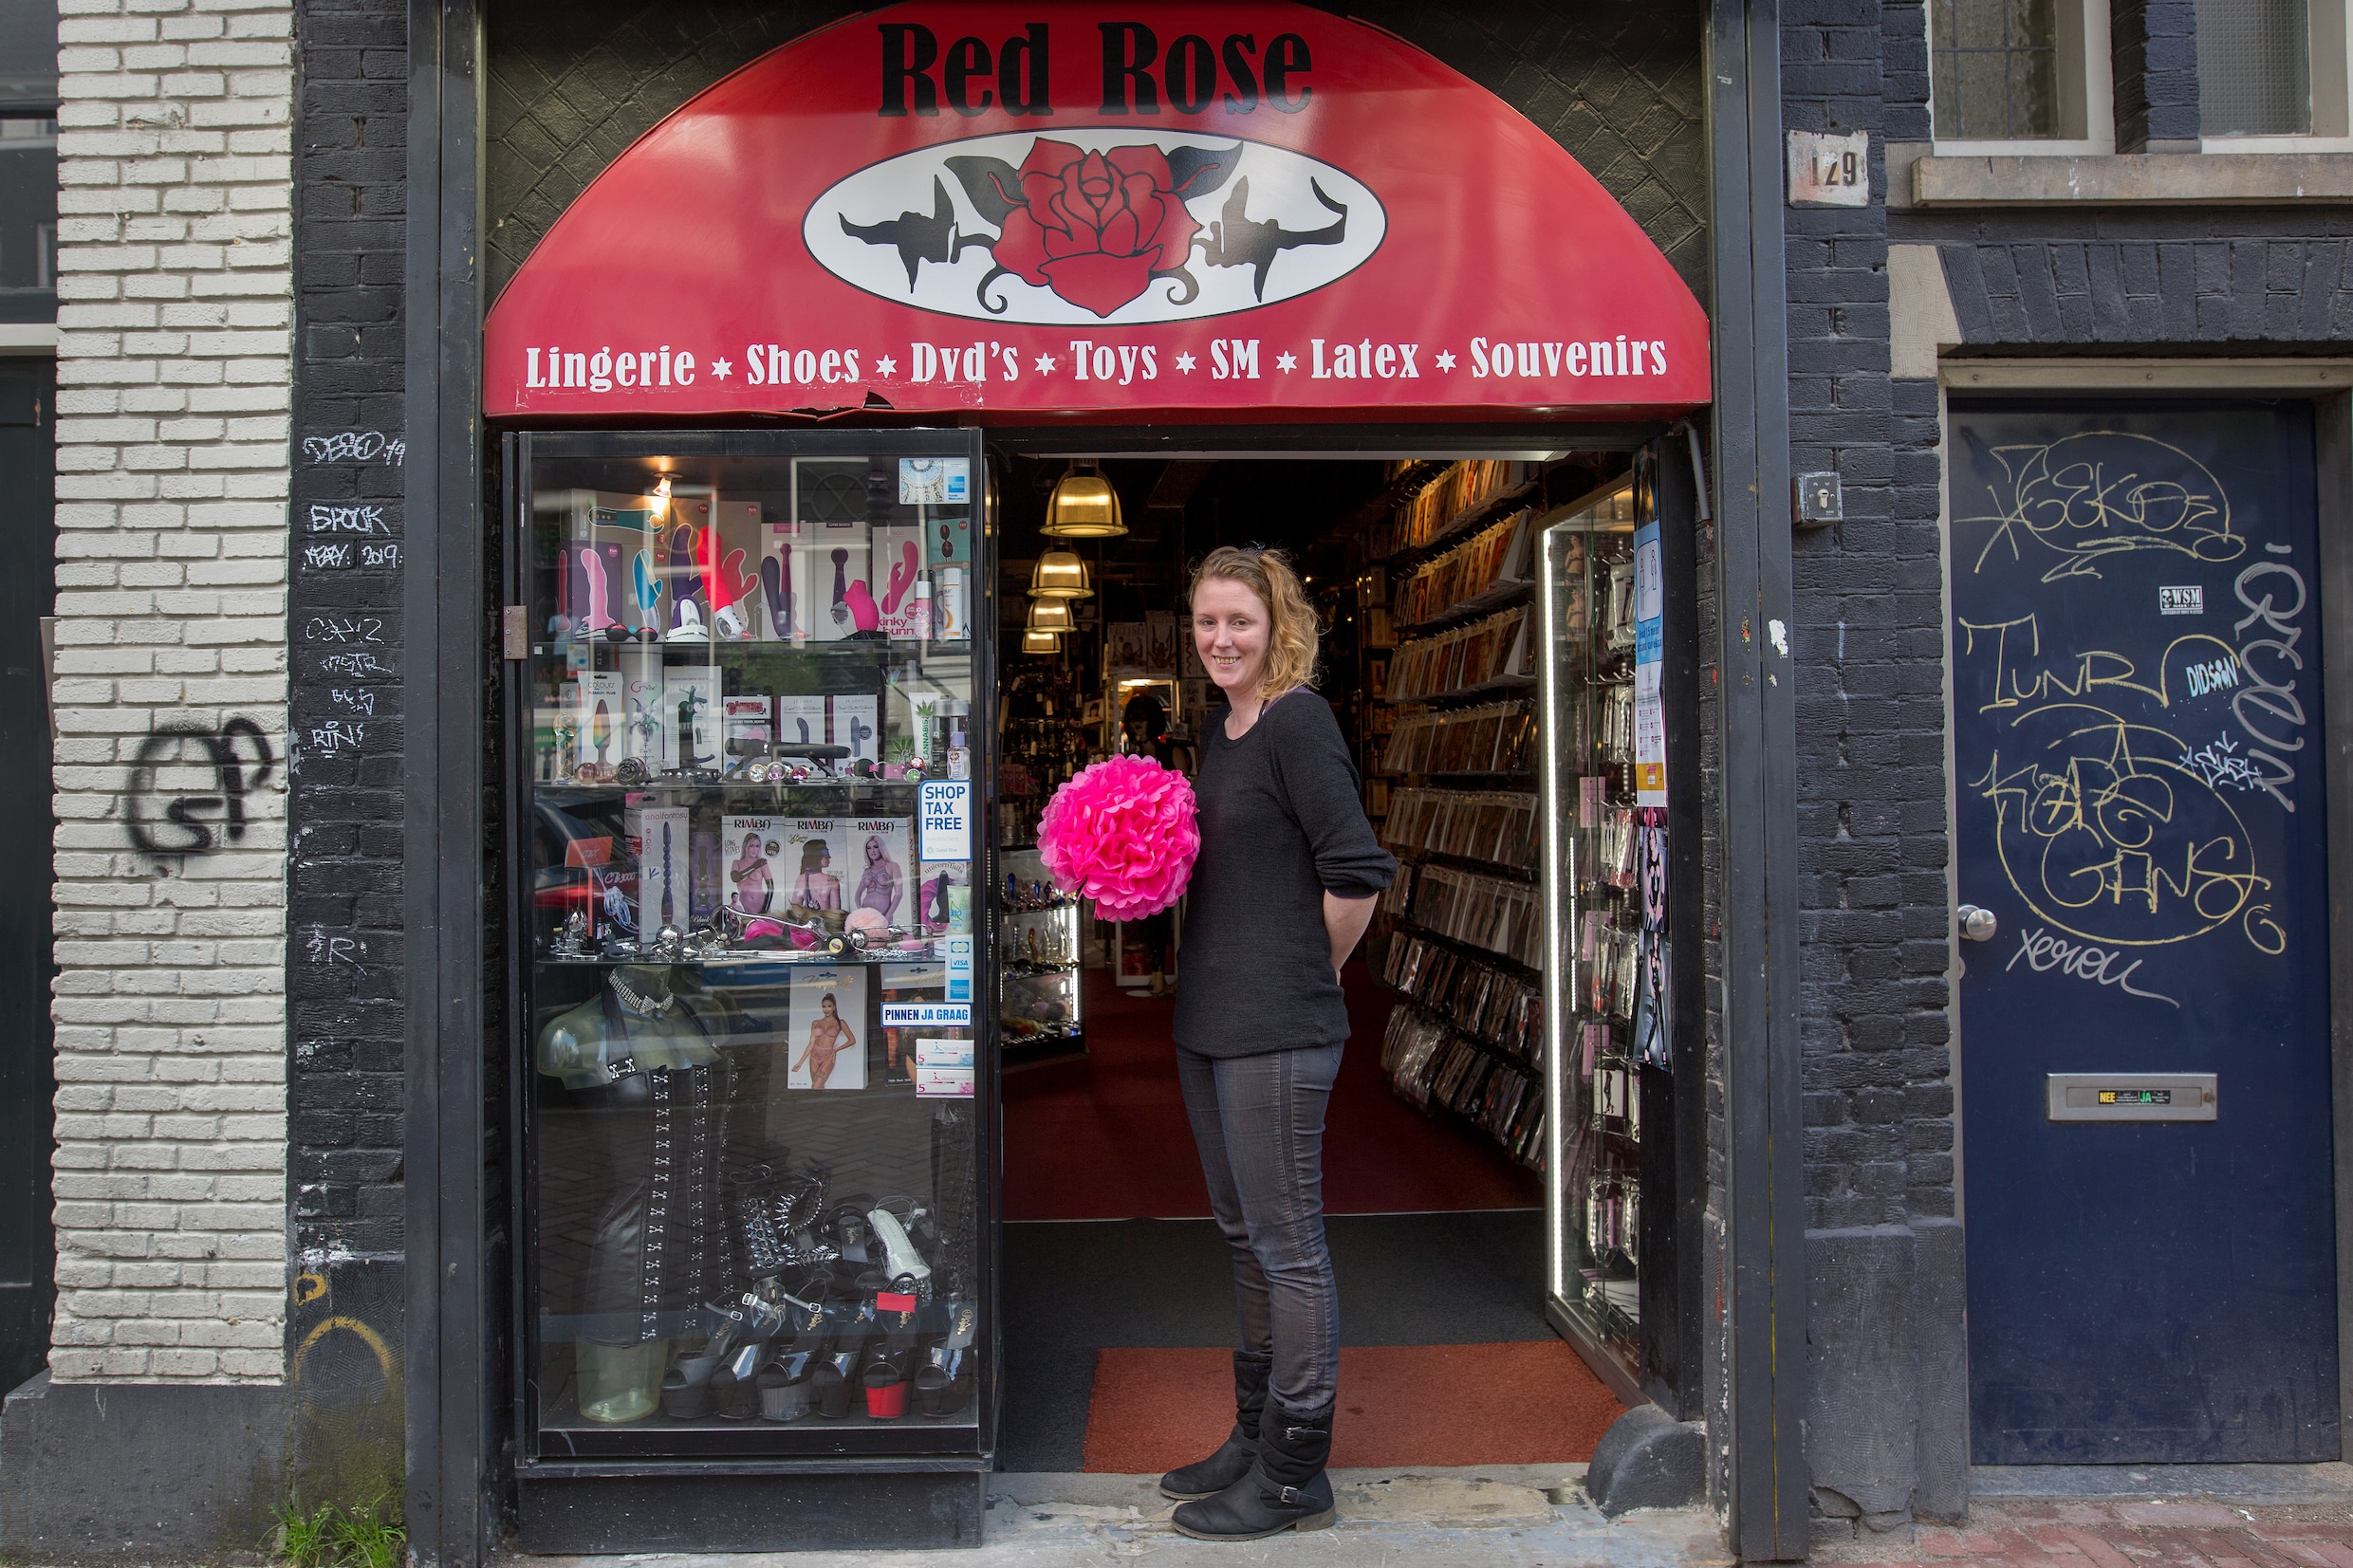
<point>1604,786</point>
<point>1040,968</point>
<point>752,951</point>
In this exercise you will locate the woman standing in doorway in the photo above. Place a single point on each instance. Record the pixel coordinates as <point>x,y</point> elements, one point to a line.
<point>1280,896</point>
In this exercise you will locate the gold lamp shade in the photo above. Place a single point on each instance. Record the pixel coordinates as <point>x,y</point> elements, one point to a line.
<point>1083,506</point>
<point>1060,574</point>
<point>1040,642</point>
<point>1049,614</point>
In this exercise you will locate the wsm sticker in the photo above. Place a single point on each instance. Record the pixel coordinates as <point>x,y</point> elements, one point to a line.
<point>2181,601</point>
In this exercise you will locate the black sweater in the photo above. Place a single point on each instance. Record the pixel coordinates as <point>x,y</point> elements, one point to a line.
<point>1281,826</point>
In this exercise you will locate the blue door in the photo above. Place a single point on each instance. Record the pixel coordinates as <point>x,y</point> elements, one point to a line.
<point>2139,788</point>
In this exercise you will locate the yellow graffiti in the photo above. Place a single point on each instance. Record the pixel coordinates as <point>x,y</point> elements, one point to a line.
<point>2091,670</point>
<point>309,1287</point>
<point>374,1342</point>
<point>2090,496</point>
<point>2092,825</point>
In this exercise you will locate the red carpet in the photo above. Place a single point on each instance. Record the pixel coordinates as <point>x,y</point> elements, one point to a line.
<point>1399,1405</point>
<point>1104,1137</point>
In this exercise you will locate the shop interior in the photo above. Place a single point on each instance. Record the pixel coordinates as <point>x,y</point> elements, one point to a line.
<point>1117,1300</point>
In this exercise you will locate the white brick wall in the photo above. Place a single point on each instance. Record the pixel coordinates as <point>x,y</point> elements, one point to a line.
<point>174,360</point>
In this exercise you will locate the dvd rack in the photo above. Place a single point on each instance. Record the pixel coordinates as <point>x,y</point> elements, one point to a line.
<point>1502,1010</point>
<point>1491,653</point>
<point>1451,748</point>
<point>1454,500</point>
<point>1491,738</point>
<point>1613,1030</point>
<point>1490,567</point>
<point>1432,1064</point>
<point>1498,826</point>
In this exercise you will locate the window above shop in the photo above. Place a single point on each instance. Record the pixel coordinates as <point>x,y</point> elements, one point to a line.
<point>2272,76</point>
<point>2020,76</point>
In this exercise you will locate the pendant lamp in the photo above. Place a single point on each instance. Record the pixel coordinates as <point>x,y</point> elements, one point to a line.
<point>1059,574</point>
<point>1083,506</point>
<point>1040,642</point>
<point>1049,614</point>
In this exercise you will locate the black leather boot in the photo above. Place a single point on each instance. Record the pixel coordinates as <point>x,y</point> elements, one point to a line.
<point>1208,1477</point>
<point>1286,1489</point>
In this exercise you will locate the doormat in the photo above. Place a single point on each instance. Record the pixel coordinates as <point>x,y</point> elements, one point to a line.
<point>1532,1403</point>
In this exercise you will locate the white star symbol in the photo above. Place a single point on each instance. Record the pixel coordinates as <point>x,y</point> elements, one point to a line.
<point>1045,364</point>
<point>720,368</point>
<point>1184,362</point>
<point>1286,362</point>
<point>1445,360</point>
<point>886,366</point>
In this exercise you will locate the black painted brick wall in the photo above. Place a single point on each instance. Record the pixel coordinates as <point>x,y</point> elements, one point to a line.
<point>344,971</point>
<point>2239,278</point>
<point>1869,640</point>
<point>2153,46</point>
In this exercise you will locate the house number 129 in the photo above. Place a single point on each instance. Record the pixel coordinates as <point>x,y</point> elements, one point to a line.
<point>1829,170</point>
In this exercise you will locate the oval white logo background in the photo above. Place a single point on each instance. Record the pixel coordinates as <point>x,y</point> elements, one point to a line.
<point>1094,227</point>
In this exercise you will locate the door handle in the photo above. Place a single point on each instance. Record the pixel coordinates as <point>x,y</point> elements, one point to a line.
<point>1977,923</point>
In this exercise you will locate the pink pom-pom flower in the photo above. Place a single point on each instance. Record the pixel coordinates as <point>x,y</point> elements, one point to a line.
<point>1122,832</point>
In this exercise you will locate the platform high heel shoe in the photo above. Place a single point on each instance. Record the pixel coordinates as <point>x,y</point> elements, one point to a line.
<point>1208,1477</point>
<point>788,1384</point>
<point>890,1356</point>
<point>735,1388</point>
<point>837,1376</point>
<point>1286,1487</point>
<point>943,1385</point>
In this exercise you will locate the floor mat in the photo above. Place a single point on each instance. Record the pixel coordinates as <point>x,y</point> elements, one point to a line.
<point>1511,1403</point>
<point>1103,1137</point>
<point>1069,1290</point>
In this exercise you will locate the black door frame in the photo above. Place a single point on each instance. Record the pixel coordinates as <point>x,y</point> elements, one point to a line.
<point>1754,1373</point>
<point>28,1237</point>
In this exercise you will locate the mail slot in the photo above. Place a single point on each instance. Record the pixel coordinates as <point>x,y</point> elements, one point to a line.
<point>2132,1097</point>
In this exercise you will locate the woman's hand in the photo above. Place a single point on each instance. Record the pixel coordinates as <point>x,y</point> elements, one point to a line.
<point>1344,920</point>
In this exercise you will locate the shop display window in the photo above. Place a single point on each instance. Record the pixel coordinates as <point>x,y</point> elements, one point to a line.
<point>1039,1003</point>
<point>1605,939</point>
<point>748,680</point>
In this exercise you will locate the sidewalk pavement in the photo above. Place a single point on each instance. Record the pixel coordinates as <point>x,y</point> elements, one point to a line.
<point>1495,1516</point>
<point>2223,1516</point>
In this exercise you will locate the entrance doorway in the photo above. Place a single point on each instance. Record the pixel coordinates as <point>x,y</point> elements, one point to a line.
<point>1117,1306</point>
<point>2140,798</point>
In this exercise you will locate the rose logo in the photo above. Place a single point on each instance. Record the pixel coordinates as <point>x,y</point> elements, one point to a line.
<point>1096,228</point>
<point>1093,221</point>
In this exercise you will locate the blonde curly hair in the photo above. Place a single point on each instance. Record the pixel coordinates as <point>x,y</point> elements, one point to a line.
<point>1291,627</point>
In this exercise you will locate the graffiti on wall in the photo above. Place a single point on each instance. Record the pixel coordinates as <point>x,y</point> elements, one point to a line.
<point>188,785</point>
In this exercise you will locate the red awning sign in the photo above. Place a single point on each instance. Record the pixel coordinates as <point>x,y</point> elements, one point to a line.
<point>1228,210</point>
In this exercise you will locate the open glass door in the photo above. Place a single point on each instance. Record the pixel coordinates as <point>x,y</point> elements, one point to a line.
<point>750,725</point>
<point>1604,948</point>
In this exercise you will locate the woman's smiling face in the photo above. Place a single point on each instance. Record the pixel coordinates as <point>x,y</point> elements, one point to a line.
<point>1230,628</point>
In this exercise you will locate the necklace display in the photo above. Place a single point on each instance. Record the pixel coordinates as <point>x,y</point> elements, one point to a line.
<point>640,1003</point>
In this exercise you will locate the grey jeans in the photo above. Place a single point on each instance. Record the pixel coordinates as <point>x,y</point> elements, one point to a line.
<point>1259,1123</point>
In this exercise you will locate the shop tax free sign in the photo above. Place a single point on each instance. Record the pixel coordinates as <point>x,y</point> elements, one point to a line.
<point>1062,208</point>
